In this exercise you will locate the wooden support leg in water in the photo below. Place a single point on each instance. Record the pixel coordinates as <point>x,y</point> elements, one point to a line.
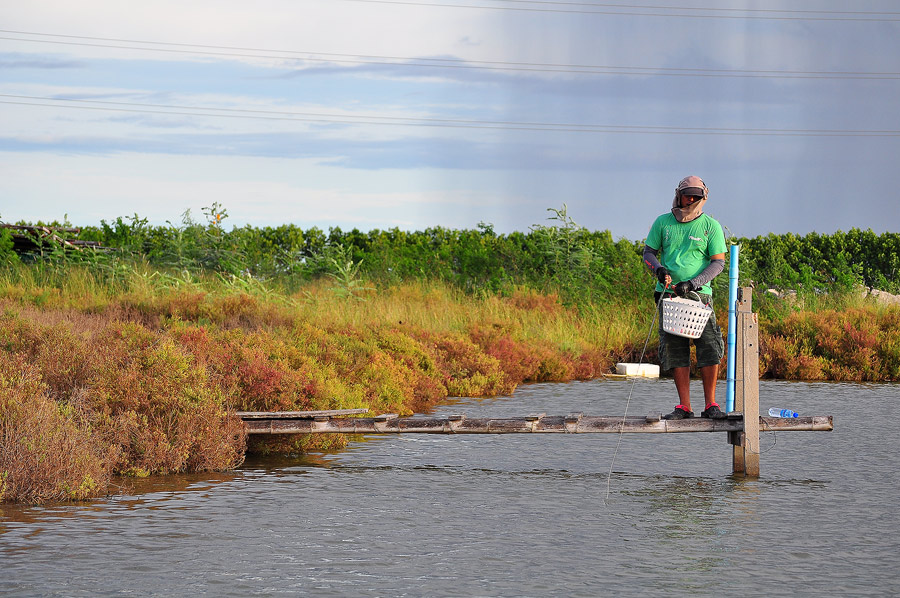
<point>745,453</point>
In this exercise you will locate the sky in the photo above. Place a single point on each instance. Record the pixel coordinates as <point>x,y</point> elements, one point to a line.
<point>376,114</point>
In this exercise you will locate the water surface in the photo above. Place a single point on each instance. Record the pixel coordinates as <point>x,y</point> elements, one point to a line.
<point>511,515</point>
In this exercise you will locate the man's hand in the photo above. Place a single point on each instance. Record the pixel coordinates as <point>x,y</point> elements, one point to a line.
<point>683,288</point>
<point>662,275</point>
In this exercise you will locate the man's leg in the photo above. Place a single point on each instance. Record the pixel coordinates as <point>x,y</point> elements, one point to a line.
<point>710,349</point>
<point>683,386</point>
<point>710,375</point>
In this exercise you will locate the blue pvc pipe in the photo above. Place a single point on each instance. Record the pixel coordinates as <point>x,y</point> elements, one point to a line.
<point>732,319</point>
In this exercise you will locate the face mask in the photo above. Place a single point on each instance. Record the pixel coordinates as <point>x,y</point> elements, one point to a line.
<point>692,212</point>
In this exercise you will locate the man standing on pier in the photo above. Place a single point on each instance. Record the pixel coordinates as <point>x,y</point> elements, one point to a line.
<point>687,247</point>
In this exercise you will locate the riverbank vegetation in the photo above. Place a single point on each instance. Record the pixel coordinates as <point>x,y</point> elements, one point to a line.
<point>133,358</point>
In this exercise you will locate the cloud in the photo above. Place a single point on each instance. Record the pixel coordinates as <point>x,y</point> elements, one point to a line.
<point>17,60</point>
<point>257,191</point>
<point>311,26</point>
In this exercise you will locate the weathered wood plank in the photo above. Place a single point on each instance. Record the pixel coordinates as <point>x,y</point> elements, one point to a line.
<point>245,415</point>
<point>550,424</point>
<point>813,423</point>
<point>742,304</point>
<point>745,452</point>
<point>750,375</point>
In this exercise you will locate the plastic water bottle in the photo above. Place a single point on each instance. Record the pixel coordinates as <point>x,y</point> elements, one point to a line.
<point>776,412</point>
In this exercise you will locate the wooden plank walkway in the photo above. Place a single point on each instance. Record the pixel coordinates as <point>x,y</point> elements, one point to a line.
<point>575,423</point>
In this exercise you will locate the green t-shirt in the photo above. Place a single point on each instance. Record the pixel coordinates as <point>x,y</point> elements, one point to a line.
<point>685,247</point>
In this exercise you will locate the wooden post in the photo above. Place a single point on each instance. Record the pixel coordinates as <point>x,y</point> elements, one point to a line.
<point>750,383</point>
<point>745,453</point>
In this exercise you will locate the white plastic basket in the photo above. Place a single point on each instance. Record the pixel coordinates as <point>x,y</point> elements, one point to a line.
<point>684,317</point>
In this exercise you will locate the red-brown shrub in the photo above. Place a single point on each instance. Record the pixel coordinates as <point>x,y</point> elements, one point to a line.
<point>530,300</point>
<point>46,452</point>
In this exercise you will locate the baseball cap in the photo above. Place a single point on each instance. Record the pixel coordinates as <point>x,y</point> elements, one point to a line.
<point>692,185</point>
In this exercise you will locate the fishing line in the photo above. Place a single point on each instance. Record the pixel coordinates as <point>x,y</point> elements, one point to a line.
<point>774,438</point>
<point>630,392</point>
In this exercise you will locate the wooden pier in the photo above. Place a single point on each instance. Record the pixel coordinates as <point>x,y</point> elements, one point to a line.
<point>538,423</point>
<point>742,433</point>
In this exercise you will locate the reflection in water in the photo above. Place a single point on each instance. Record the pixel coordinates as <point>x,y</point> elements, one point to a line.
<point>193,482</point>
<point>685,504</point>
<point>132,491</point>
<point>688,511</point>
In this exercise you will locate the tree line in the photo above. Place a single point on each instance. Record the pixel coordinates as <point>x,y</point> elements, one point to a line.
<point>559,256</point>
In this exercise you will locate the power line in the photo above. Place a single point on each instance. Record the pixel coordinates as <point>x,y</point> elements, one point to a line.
<point>314,117</point>
<point>687,12</point>
<point>244,52</point>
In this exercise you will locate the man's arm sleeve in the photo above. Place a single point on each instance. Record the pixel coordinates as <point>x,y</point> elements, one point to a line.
<point>714,268</point>
<point>650,259</point>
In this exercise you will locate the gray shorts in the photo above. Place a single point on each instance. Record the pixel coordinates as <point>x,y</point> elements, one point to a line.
<point>675,351</point>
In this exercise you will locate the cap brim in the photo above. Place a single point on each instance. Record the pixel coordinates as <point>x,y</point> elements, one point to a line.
<point>692,191</point>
